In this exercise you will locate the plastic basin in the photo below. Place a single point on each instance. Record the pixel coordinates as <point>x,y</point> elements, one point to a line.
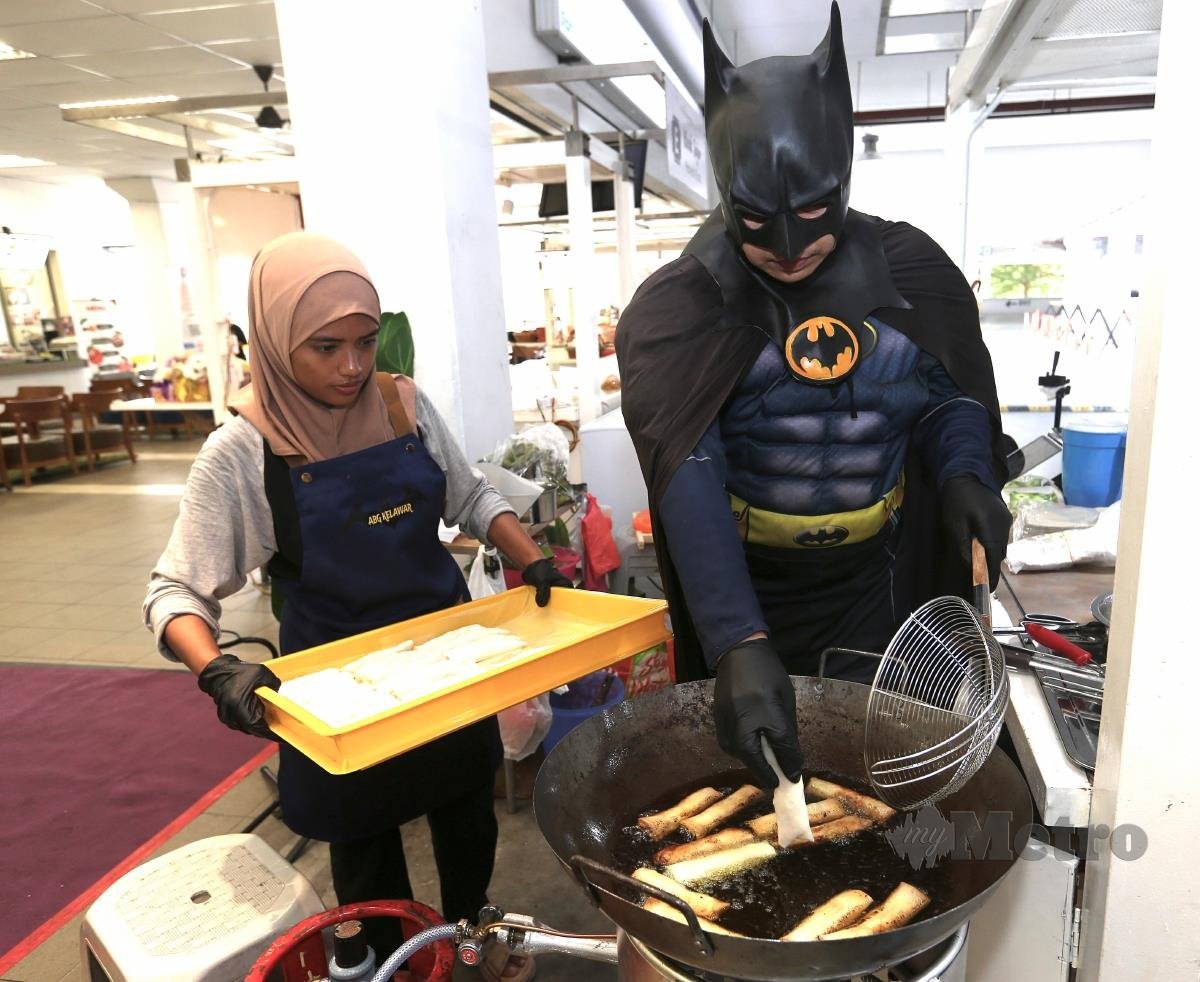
<point>1093,464</point>
<point>568,713</point>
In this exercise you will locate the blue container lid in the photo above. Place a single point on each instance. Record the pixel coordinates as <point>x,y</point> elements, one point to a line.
<point>1086,427</point>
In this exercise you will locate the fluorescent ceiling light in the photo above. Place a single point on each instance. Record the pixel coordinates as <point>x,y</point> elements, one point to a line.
<point>8,160</point>
<point>9,53</point>
<point>907,44</point>
<point>116,103</point>
<point>915,8</point>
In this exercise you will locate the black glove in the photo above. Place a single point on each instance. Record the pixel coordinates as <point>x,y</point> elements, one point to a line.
<point>543,574</point>
<point>972,510</point>
<point>754,696</point>
<point>231,683</point>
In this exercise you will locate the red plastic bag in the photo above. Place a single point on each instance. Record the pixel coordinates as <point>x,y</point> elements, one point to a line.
<point>600,555</point>
<point>648,671</point>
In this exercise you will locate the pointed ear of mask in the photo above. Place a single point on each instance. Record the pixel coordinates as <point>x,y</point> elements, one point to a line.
<point>830,54</point>
<point>716,68</point>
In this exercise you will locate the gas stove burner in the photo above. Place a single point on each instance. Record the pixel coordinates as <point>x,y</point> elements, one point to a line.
<point>638,962</point>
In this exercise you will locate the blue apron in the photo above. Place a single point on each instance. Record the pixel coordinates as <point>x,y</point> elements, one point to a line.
<point>371,556</point>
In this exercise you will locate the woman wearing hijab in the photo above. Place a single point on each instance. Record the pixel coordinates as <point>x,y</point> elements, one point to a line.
<point>319,444</point>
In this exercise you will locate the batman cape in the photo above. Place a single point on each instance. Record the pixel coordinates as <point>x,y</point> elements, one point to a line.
<point>695,327</point>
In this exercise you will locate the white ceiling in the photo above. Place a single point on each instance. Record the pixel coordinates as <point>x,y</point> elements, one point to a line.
<point>760,28</point>
<point>89,50</point>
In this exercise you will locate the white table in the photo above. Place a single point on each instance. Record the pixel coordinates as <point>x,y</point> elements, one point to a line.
<point>149,405</point>
<point>1062,791</point>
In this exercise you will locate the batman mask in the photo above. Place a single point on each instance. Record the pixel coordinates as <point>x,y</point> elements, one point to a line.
<point>781,139</point>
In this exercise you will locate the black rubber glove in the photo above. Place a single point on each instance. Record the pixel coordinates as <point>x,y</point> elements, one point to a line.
<point>231,683</point>
<point>754,696</point>
<point>972,510</point>
<point>543,574</point>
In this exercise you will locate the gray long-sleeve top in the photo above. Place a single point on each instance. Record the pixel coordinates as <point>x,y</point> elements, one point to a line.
<point>224,529</point>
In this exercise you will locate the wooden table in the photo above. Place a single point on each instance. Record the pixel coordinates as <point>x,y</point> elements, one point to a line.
<point>149,405</point>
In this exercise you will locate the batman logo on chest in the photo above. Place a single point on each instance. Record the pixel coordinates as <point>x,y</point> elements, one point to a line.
<point>824,350</point>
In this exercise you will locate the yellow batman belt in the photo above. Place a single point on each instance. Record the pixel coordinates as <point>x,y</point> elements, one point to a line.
<point>767,528</point>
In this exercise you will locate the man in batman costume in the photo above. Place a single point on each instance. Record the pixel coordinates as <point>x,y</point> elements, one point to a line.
<point>821,374</point>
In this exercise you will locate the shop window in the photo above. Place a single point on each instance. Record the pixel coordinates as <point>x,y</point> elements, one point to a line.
<point>35,313</point>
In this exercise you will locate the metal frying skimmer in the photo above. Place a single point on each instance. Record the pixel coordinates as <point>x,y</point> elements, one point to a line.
<point>938,700</point>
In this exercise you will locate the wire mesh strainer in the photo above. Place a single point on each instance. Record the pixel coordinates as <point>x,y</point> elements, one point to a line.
<point>936,706</point>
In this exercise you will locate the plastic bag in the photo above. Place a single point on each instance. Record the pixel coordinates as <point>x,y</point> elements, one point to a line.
<point>1059,550</point>
<point>524,726</point>
<point>1032,489</point>
<point>1043,518</point>
<point>540,453</point>
<point>648,671</point>
<point>487,578</point>
<point>600,555</point>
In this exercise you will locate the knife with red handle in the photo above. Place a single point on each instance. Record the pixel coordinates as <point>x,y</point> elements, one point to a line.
<point>1057,643</point>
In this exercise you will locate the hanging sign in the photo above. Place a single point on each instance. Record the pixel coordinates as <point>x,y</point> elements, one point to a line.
<point>687,151</point>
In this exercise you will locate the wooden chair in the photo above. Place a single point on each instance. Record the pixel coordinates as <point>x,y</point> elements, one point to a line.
<point>40,391</point>
<point>26,392</point>
<point>34,449</point>
<point>127,388</point>
<point>99,436</point>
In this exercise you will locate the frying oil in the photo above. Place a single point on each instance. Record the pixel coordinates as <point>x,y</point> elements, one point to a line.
<point>771,899</point>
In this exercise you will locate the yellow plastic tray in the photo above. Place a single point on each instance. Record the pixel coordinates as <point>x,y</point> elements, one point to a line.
<point>579,632</point>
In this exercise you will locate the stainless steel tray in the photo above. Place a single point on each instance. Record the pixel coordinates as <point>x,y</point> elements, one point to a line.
<point>1075,699</point>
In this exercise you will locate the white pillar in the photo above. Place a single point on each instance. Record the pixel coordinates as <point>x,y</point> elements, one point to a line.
<point>148,198</point>
<point>626,245</point>
<point>389,106</point>
<point>963,158</point>
<point>1141,917</point>
<point>582,258</point>
<point>202,282</point>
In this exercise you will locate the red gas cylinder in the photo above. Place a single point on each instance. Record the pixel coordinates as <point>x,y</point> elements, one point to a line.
<point>299,955</point>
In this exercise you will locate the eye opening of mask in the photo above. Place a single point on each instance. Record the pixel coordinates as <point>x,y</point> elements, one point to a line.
<point>814,208</point>
<point>750,218</point>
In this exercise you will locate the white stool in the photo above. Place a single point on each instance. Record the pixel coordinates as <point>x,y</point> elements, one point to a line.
<point>202,913</point>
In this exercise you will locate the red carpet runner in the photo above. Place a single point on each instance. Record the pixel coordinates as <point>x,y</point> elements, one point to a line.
<point>100,767</point>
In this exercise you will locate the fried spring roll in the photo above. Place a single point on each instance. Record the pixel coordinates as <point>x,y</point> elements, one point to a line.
<point>902,905</point>
<point>701,903</point>
<point>819,812</point>
<point>723,863</point>
<point>658,907</point>
<point>725,839</point>
<point>833,915</point>
<point>841,828</point>
<point>863,804</point>
<point>661,824</point>
<point>713,817</point>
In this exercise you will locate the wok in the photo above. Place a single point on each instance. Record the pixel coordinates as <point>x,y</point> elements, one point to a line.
<point>620,762</point>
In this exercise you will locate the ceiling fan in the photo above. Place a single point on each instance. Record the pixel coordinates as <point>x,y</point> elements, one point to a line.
<point>268,117</point>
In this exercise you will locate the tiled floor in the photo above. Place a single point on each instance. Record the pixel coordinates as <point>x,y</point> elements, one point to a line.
<point>78,551</point>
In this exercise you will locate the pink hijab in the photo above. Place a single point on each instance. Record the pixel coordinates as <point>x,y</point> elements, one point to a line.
<point>299,283</point>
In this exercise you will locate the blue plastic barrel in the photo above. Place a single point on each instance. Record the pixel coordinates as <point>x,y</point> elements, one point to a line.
<point>580,702</point>
<point>1093,463</point>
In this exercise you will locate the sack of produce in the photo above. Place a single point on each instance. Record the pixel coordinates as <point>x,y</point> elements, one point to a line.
<point>540,454</point>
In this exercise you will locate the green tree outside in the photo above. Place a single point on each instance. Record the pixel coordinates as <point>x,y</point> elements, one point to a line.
<point>1027,280</point>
